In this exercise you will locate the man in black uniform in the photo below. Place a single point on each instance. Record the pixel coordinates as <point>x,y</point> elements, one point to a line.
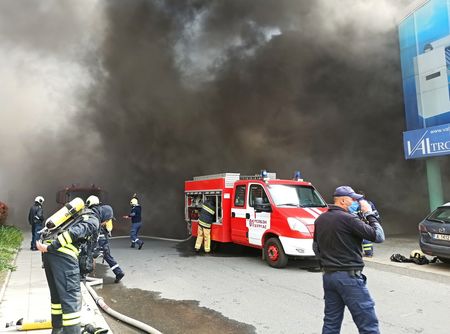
<point>60,257</point>
<point>36,219</point>
<point>337,242</point>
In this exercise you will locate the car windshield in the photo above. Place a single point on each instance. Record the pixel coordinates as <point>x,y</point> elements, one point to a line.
<point>441,215</point>
<point>295,196</point>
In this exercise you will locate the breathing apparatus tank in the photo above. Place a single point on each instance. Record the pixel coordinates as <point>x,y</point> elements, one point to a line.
<point>64,214</point>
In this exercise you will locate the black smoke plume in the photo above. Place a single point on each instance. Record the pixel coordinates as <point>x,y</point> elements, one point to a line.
<point>287,94</point>
<point>186,88</point>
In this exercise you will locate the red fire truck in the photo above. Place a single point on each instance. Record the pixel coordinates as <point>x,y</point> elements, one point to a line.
<point>67,194</point>
<point>259,211</point>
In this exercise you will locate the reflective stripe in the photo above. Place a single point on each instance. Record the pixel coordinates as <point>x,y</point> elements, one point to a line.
<point>56,309</point>
<point>208,209</point>
<point>67,237</point>
<point>71,319</point>
<point>68,316</point>
<point>71,322</point>
<point>68,251</point>
<point>61,240</point>
<point>205,225</point>
<point>114,267</point>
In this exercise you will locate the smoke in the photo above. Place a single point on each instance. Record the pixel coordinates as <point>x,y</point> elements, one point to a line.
<point>155,92</point>
<point>44,48</point>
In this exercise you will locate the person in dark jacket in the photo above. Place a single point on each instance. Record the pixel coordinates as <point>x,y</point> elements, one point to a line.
<point>136,223</point>
<point>60,256</point>
<point>206,218</point>
<point>36,220</point>
<point>367,245</point>
<point>105,214</point>
<point>337,242</point>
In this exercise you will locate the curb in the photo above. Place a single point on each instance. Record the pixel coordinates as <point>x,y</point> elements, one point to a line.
<point>8,276</point>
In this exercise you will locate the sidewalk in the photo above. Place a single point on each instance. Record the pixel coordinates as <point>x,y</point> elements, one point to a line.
<point>26,295</point>
<point>403,245</point>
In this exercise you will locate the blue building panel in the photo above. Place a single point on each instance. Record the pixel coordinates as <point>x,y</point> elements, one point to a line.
<point>424,38</point>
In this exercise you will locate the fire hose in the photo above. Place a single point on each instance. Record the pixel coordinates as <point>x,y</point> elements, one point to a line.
<point>101,303</point>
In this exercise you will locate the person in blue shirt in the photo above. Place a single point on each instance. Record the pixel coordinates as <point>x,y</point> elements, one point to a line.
<point>136,223</point>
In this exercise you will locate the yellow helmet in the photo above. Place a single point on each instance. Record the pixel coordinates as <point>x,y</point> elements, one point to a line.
<point>134,202</point>
<point>417,254</point>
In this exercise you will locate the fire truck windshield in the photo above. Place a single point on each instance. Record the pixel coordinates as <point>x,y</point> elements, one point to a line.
<point>294,195</point>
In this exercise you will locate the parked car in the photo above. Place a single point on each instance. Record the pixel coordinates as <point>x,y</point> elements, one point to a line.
<point>435,233</point>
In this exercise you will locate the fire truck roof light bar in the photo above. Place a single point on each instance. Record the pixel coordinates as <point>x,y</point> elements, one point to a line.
<point>258,176</point>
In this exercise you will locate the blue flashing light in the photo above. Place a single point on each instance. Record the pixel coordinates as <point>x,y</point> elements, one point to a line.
<point>298,176</point>
<point>264,174</point>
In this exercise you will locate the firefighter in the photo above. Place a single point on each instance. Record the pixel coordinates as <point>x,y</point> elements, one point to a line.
<point>36,220</point>
<point>205,220</point>
<point>367,245</point>
<point>136,222</point>
<point>60,256</point>
<point>105,215</point>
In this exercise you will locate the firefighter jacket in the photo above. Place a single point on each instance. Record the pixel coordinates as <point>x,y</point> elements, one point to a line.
<point>338,236</point>
<point>135,215</point>
<point>207,215</point>
<point>36,214</point>
<point>103,213</point>
<point>68,241</point>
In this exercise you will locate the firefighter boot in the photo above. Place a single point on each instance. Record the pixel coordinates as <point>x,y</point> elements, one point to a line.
<point>141,243</point>
<point>119,276</point>
<point>89,329</point>
<point>132,244</point>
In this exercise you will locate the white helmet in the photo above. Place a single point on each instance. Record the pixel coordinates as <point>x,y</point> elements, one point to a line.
<point>39,199</point>
<point>92,200</point>
<point>134,202</point>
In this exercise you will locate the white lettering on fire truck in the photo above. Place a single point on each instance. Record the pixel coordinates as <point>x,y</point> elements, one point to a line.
<point>257,223</point>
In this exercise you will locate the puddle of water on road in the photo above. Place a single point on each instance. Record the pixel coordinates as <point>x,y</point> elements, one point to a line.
<point>166,315</point>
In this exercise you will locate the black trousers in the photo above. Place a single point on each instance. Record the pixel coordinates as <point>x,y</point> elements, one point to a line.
<point>63,278</point>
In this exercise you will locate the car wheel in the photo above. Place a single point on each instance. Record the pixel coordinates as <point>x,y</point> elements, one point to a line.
<point>444,259</point>
<point>274,253</point>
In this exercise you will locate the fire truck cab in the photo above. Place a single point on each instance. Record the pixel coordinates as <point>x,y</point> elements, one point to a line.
<point>258,211</point>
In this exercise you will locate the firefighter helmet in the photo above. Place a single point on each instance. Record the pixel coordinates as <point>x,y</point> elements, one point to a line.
<point>134,202</point>
<point>39,199</point>
<point>92,200</point>
<point>417,254</point>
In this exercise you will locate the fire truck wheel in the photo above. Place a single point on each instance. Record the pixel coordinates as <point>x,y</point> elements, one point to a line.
<point>274,253</point>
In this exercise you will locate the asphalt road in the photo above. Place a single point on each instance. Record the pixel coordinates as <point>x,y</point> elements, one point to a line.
<point>234,291</point>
